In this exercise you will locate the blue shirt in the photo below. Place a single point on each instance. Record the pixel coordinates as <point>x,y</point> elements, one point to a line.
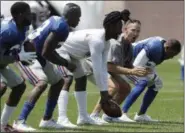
<point>154,47</point>
<point>10,35</point>
<point>53,24</point>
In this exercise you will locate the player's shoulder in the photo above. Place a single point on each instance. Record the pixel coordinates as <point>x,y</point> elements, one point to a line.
<point>8,27</point>
<point>59,20</point>
<point>156,41</point>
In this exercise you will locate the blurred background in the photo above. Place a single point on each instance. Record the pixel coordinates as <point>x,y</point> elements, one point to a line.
<point>161,18</point>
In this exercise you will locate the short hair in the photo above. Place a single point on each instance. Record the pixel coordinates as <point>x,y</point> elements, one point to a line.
<point>19,7</point>
<point>112,18</point>
<point>69,7</point>
<point>132,21</point>
<point>174,44</point>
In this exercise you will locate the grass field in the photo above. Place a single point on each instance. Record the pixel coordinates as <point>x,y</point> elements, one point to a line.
<point>168,107</point>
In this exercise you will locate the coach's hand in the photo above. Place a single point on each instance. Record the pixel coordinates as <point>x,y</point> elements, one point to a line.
<point>140,71</point>
<point>71,67</point>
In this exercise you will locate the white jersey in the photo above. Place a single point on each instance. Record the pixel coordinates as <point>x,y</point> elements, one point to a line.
<point>77,43</point>
<point>91,42</point>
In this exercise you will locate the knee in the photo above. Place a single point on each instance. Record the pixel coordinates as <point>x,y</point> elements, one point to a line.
<point>67,82</point>
<point>41,86</point>
<point>158,85</point>
<point>3,88</point>
<point>112,91</point>
<point>3,85</point>
<point>20,88</point>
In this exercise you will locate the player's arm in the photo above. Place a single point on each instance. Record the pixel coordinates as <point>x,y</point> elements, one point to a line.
<point>114,61</point>
<point>96,49</point>
<point>141,59</point>
<point>49,52</point>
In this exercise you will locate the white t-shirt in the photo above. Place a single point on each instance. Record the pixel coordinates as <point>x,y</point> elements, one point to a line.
<point>91,42</point>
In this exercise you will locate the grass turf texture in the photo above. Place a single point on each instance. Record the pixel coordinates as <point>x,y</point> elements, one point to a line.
<point>167,107</point>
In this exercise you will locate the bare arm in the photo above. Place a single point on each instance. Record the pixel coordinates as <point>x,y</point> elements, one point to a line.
<point>49,52</point>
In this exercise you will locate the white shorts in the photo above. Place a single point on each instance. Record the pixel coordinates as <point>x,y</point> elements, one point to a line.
<point>63,71</point>
<point>36,72</point>
<point>79,71</point>
<point>10,78</point>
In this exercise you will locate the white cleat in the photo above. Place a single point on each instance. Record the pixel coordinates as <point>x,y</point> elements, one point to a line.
<point>50,124</point>
<point>87,120</point>
<point>107,118</point>
<point>144,118</point>
<point>22,126</point>
<point>112,119</point>
<point>125,118</point>
<point>66,123</point>
<point>97,118</point>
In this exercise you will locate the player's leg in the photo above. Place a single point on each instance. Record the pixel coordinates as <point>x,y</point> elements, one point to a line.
<point>148,98</point>
<point>81,95</point>
<point>63,98</point>
<point>3,85</point>
<point>35,74</point>
<point>17,85</point>
<point>56,81</point>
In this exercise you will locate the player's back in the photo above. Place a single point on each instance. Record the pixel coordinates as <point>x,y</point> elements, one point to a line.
<point>53,24</point>
<point>153,47</point>
<point>77,41</point>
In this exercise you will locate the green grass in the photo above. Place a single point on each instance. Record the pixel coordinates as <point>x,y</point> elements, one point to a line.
<point>168,107</point>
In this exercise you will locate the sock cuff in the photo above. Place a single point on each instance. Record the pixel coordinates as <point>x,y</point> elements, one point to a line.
<point>80,92</point>
<point>9,107</point>
<point>63,92</point>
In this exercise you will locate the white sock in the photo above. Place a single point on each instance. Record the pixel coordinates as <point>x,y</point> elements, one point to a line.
<point>62,105</point>
<point>81,99</point>
<point>6,113</point>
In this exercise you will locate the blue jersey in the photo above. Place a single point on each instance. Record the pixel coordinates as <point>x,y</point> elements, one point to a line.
<point>10,35</point>
<point>154,47</point>
<point>53,24</point>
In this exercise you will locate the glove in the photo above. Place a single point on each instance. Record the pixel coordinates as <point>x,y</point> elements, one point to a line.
<point>26,57</point>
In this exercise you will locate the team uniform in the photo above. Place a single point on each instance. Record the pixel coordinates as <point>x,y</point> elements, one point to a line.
<point>41,69</point>
<point>10,37</point>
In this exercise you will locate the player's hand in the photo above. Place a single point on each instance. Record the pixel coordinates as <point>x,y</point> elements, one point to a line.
<point>26,57</point>
<point>71,67</point>
<point>140,71</point>
<point>105,97</point>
